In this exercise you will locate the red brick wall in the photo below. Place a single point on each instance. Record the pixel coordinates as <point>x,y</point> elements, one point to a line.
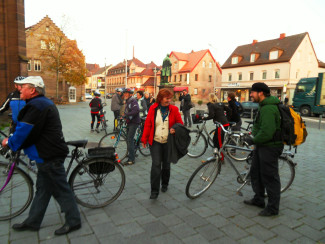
<point>12,44</point>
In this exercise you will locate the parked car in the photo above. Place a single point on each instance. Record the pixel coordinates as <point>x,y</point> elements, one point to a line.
<point>248,107</point>
<point>88,96</point>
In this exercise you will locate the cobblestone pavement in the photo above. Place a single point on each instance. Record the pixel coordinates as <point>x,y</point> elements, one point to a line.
<point>218,216</point>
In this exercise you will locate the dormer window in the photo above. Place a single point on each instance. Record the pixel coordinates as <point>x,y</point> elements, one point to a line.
<point>274,54</point>
<point>253,56</point>
<point>234,60</point>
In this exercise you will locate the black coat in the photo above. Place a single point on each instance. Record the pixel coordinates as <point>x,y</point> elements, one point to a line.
<point>178,143</point>
<point>234,116</point>
<point>217,113</point>
<point>187,102</point>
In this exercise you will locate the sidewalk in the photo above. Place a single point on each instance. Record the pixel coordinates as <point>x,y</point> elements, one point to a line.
<point>218,216</point>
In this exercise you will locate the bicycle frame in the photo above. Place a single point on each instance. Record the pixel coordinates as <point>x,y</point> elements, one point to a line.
<point>204,129</point>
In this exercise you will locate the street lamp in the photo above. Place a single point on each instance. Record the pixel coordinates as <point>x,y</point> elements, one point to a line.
<point>155,81</point>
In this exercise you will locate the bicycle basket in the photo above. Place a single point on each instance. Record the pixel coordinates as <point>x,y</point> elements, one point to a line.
<point>101,168</point>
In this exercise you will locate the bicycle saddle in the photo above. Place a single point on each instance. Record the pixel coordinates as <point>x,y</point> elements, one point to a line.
<point>79,143</point>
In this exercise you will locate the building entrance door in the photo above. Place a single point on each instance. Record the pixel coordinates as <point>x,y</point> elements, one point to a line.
<point>72,94</point>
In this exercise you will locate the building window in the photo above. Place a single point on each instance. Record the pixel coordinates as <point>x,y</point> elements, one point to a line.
<point>180,77</point>
<point>37,65</point>
<point>234,60</point>
<point>240,76</point>
<point>196,77</point>
<point>210,65</point>
<point>252,57</point>
<point>195,91</point>
<point>51,46</point>
<point>43,44</point>
<point>29,65</point>
<point>251,76</point>
<point>60,85</point>
<point>47,28</point>
<point>229,77</point>
<point>203,64</point>
<point>274,55</point>
<point>264,75</point>
<point>210,78</point>
<point>174,78</point>
<point>277,74</point>
<point>185,77</point>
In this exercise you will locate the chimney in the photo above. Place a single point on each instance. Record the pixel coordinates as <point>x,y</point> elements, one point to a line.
<point>254,42</point>
<point>282,36</point>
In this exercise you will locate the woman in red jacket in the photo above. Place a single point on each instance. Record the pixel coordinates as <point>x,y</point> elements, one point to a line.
<point>160,119</point>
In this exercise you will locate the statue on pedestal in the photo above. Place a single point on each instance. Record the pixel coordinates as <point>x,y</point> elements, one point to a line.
<point>166,69</point>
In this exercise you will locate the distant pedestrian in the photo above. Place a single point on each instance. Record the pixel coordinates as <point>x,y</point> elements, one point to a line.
<point>161,117</point>
<point>181,96</point>
<point>142,104</point>
<point>234,114</point>
<point>186,107</point>
<point>116,105</point>
<point>268,148</point>
<point>286,100</point>
<point>95,108</point>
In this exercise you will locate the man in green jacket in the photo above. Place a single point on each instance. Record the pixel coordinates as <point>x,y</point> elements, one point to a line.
<point>264,168</point>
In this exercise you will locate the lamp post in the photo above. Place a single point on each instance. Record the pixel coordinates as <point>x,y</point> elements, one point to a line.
<point>214,80</point>
<point>155,81</point>
<point>105,82</point>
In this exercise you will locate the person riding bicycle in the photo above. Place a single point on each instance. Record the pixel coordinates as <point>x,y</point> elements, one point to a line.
<point>116,104</point>
<point>217,113</point>
<point>39,133</point>
<point>265,166</point>
<point>14,102</point>
<point>95,108</point>
<point>132,115</point>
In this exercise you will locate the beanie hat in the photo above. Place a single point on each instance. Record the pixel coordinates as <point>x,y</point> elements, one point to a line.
<point>260,87</point>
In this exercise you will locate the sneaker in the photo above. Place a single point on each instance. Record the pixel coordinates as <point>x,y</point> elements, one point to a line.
<point>129,163</point>
<point>97,130</point>
<point>92,130</point>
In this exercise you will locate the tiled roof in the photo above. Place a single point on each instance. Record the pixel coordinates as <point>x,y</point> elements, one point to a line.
<point>148,71</point>
<point>192,59</point>
<point>321,64</point>
<point>134,60</point>
<point>149,82</point>
<point>287,44</point>
<point>92,68</point>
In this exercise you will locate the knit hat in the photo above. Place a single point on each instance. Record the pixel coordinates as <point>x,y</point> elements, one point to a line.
<point>260,87</point>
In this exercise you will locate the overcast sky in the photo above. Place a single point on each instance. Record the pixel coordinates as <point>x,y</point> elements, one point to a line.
<point>106,28</point>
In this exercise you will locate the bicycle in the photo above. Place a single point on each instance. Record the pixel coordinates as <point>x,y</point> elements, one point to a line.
<point>205,175</point>
<point>118,140</point>
<point>97,180</point>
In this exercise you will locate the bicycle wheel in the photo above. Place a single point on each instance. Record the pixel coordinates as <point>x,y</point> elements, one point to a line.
<point>210,138</point>
<point>237,154</point>
<point>202,178</point>
<point>16,197</point>
<point>94,186</point>
<point>144,151</point>
<point>286,172</point>
<point>116,140</point>
<point>198,144</point>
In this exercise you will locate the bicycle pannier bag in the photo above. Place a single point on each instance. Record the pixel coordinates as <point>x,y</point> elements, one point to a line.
<point>101,152</point>
<point>293,128</point>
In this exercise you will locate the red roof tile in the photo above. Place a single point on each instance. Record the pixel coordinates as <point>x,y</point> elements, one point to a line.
<point>149,82</point>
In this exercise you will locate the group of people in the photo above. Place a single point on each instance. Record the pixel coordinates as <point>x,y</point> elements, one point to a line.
<point>38,130</point>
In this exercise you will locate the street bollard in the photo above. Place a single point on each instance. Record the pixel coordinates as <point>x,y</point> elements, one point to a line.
<point>320,121</point>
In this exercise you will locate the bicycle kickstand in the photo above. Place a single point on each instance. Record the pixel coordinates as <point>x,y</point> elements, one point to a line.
<point>238,192</point>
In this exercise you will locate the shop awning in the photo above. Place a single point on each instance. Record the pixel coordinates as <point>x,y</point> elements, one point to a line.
<point>180,88</point>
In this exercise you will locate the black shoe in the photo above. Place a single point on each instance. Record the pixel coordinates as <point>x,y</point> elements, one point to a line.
<point>23,226</point>
<point>267,213</point>
<point>153,195</point>
<point>65,229</point>
<point>253,202</point>
<point>164,188</point>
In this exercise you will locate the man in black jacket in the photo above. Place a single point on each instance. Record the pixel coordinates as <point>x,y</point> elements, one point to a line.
<point>234,114</point>
<point>39,133</point>
<point>186,107</point>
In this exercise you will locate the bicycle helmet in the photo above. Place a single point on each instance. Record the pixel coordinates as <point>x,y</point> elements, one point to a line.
<point>19,78</point>
<point>97,93</point>
<point>119,90</point>
<point>128,90</point>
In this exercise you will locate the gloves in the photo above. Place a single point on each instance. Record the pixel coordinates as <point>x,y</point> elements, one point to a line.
<point>249,140</point>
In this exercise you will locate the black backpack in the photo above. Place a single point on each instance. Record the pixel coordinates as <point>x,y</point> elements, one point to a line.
<point>240,108</point>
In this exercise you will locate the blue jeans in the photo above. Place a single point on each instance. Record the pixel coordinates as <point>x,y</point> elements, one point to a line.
<point>52,181</point>
<point>132,128</point>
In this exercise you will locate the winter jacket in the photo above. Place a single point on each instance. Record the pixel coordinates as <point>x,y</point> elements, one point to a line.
<point>187,102</point>
<point>15,103</point>
<point>267,122</point>
<point>116,102</point>
<point>142,106</point>
<point>234,115</point>
<point>95,105</point>
<point>149,127</point>
<point>178,143</point>
<point>132,111</point>
<point>39,131</point>
<point>217,113</point>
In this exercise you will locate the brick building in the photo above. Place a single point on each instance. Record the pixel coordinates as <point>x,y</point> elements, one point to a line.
<point>91,84</point>
<point>38,64</point>
<point>12,44</point>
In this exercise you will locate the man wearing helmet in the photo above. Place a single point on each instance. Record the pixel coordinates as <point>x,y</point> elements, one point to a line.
<point>95,107</point>
<point>15,103</point>
<point>116,104</point>
<point>132,116</point>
